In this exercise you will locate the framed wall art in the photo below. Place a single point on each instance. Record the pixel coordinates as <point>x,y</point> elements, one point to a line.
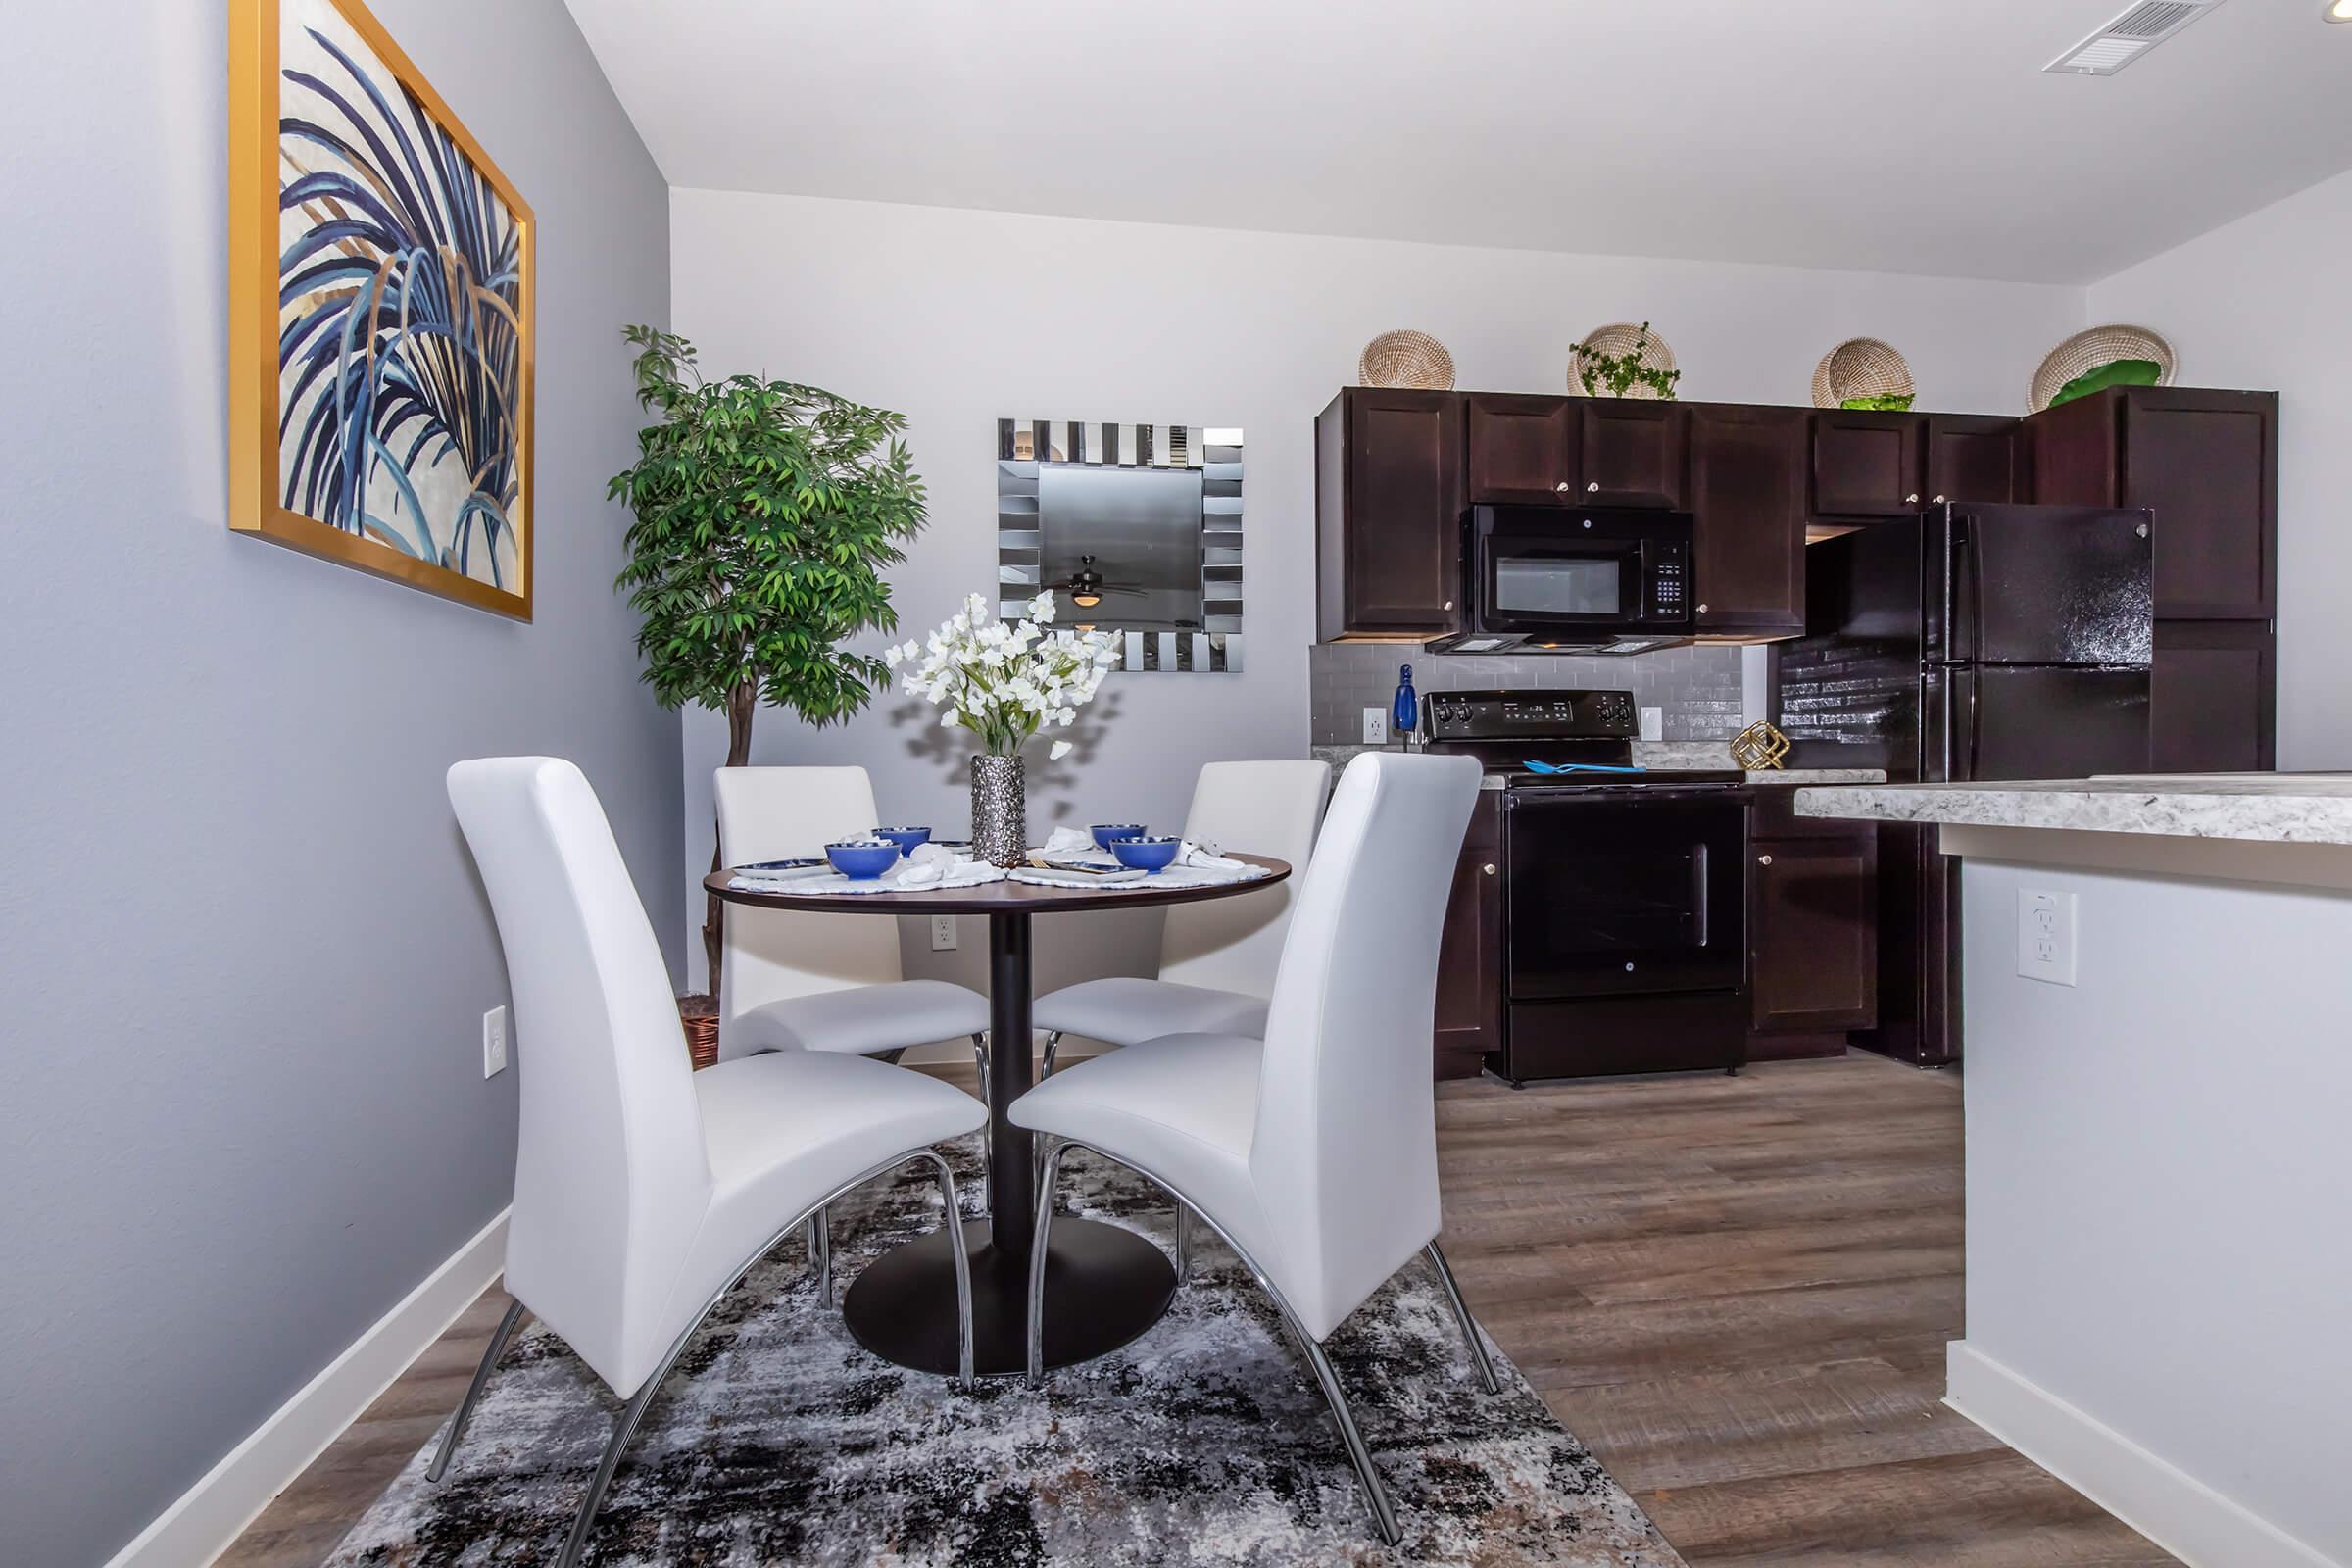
<point>381,299</point>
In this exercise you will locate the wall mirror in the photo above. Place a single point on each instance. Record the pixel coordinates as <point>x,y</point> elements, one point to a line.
<point>1136,527</point>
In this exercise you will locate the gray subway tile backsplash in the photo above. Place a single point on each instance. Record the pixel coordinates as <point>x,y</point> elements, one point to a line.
<point>1697,687</point>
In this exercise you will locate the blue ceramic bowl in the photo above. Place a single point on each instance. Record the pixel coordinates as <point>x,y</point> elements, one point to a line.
<point>863,860</point>
<point>1110,833</point>
<point>907,838</point>
<point>1145,853</point>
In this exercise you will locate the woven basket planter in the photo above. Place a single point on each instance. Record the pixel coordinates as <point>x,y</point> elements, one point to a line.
<point>1623,337</point>
<point>1406,358</point>
<point>1861,368</point>
<point>2086,351</point>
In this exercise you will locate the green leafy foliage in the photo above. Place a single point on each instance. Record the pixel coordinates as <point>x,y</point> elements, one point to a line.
<point>765,514</point>
<point>1881,402</point>
<point>2119,373</point>
<point>1614,374</point>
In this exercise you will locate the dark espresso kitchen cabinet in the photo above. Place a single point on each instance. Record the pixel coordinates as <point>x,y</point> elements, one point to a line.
<point>2212,697</point>
<point>1389,502</point>
<point>1749,483</point>
<point>1975,456</point>
<point>1469,1004</point>
<point>1521,449</point>
<point>1812,930</point>
<point>1633,452</point>
<point>1866,465</point>
<point>2205,462</point>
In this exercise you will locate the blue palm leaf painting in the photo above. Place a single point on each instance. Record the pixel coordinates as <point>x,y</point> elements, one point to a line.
<point>400,293</point>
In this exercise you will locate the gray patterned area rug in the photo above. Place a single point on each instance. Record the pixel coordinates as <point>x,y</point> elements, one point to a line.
<point>777,1440</point>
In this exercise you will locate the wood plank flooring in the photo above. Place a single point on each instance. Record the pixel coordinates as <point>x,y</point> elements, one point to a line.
<point>1736,1290</point>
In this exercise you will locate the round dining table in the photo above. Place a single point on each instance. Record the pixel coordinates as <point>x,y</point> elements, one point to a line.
<point>1104,1285</point>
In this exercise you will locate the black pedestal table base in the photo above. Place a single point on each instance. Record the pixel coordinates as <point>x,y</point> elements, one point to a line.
<point>1104,1287</point>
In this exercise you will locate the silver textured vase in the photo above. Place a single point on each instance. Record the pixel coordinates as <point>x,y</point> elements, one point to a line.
<point>1000,811</point>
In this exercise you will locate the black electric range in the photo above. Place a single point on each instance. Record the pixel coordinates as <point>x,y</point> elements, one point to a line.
<point>1625,929</point>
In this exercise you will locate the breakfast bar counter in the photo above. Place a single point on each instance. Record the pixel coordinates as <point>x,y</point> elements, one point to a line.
<point>2157,1001</point>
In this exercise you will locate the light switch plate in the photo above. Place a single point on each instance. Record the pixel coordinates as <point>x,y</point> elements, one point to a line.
<point>494,1042</point>
<point>1376,726</point>
<point>943,933</point>
<point>2046,936</point>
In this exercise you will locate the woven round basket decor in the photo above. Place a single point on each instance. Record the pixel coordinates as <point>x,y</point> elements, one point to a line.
<point>1861,368</point>
<point>1406,358</point>
<point>1622,337</point>
<point>2100,346</point>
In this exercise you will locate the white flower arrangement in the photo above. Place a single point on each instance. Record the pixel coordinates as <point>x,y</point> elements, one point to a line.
<point>1006,680</point>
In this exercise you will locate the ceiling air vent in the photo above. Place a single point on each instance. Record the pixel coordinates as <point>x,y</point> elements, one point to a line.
<point>2138,30</point>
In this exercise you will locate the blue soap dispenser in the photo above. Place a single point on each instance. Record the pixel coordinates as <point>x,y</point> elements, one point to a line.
<point>1404,714</point>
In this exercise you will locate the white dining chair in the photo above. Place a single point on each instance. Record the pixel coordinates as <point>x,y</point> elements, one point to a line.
<point>1216,959</point>
<point>645,1191</point>
<point>1313,1151</point>
<point>790,980</point>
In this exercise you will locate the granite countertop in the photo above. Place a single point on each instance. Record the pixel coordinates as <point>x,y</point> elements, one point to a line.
<point>2267,807</point>
<point>1672,754</point>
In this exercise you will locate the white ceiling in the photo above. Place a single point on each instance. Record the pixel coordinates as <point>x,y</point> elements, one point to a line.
<point>1897,135</point>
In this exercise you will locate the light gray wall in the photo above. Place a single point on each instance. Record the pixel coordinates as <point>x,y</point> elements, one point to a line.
<point>2264,303</point>
<point>959,318</point>
<point>243,954</point>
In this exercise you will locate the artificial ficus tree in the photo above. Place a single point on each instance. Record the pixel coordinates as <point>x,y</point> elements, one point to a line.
<point>765,514</point>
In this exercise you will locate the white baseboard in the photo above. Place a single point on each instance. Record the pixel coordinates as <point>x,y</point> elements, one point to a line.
<point>2163,1502</point>
<point>214,1511</point>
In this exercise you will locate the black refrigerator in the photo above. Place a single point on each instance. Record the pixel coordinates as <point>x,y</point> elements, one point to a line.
<point>1976,642</point>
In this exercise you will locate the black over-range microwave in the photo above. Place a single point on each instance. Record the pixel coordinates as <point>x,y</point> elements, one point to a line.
<point>1573,581</point>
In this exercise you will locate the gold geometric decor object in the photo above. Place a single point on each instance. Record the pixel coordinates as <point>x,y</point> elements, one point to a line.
<point>1406,358</point>
<point>1863,372</point>
<point>381,276</point>
<point>1759,746</point>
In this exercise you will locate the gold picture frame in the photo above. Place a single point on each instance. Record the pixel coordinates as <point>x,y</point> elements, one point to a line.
<point>382,281</point>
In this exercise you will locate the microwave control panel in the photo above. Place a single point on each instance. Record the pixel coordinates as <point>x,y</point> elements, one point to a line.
<point>1669,583</point>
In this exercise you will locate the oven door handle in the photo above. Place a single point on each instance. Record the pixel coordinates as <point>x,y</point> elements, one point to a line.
<point>1700,904</point>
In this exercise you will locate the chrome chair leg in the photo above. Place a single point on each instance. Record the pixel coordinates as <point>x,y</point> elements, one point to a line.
<point>980,1060</point>
<point>1461,1316</point>
<point>473,1391</point>
<point>953,1217</point>
<point>585,1520</point>
<point>820,1254</point>
<point>1184,1252</point>
<point>1048,1175</point>
<point>1044,1069</point>
<point>1384,1514</point>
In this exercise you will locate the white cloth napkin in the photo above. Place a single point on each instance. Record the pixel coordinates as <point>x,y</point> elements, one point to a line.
<point>1069,843</point>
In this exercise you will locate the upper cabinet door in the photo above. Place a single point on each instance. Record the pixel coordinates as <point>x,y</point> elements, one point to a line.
<point>1748,496</point>
<point>1389,505</point>
<point>1975,456</point>
<point>1632,453</point>
<point>1523,448</point>
<point>1866,465</point>
<point>2207,465</point>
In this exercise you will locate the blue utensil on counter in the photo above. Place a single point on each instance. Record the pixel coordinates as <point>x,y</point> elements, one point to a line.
<point>863,860</point>
<point>1534,766</point>
<point>1143,854</point>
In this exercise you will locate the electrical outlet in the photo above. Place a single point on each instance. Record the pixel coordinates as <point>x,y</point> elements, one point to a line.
<point>943,933</point>
<point>1376,726</point>
<point>2046,936</point>
<point>494,1042</point>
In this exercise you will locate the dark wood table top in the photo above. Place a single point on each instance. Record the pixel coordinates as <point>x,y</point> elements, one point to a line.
<point>1002,898</point>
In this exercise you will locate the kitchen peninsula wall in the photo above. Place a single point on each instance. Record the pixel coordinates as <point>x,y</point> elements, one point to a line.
<point>1698,687</point>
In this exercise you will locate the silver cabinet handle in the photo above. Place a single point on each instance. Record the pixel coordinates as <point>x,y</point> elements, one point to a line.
<point>1592,488</point>
<point>1939,501</point>
<point>1913,498</point>
<point>1561,487</point>
<point>1702,609</point>
<point>1763,859</point>
<point>1448,603</point>
<point>1488,869</point>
